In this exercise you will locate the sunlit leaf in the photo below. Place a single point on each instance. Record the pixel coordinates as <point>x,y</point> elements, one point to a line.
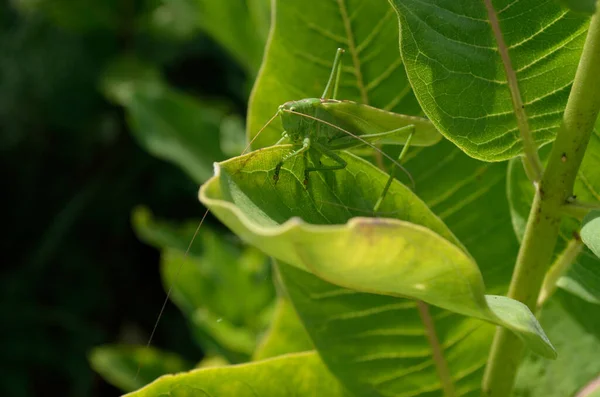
<point>453,61</point>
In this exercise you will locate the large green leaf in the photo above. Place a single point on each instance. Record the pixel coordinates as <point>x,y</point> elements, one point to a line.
<point>303,41</point>
<point>119,365</point>
<point>453,61</point>
<point>583,277</point>
<point>169,124</point>
<point>301,374</point>
<point>378,345</point>
<point>578,344</point>
<point>316,230</point>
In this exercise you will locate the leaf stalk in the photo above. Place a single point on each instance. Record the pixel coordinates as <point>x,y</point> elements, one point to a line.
<point>579,209</point>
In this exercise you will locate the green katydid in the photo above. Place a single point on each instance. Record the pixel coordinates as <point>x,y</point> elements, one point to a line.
<point>322,126</point>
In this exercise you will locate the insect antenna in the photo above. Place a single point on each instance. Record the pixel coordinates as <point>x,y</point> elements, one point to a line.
<point>259,131</point>
<point>412,181</point>
<point>170,290</point>
<point>185,255</point>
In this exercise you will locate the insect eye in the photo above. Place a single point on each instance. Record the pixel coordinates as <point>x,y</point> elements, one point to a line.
<point>293,109</point>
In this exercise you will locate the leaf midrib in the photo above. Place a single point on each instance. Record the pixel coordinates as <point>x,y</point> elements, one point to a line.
<point>353,52</point>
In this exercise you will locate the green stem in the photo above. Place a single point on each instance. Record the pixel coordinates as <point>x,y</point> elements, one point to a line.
<point>544,220</point>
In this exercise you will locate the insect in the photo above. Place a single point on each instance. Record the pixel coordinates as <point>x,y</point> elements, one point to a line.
<point>322,126</point>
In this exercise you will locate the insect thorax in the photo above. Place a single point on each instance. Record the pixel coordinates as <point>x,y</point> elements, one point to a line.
<point>298,126</point>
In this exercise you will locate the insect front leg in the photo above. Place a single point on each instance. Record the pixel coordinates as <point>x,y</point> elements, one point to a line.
<point>284,136</point>
<point>304,148</point>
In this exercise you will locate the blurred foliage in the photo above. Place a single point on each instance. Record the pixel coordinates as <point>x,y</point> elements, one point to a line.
<point>119,364</point>
<point>74,274</point>
<point>224,289</point>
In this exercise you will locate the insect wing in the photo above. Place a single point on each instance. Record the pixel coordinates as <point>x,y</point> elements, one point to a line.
<point>366,120</point>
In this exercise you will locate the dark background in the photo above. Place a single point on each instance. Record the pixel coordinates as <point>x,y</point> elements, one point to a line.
<point>74,275</point>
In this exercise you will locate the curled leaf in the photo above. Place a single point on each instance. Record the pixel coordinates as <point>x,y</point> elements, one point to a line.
<point>322,229</point>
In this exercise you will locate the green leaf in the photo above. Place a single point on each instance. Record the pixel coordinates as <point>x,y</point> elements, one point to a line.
<point>378,345</point>
<point>301,374</point>
<point>119,365</point>
<point>369,120</point>
<point>577,343</point>
<point>303,41</point>
<point>286,334</point>
<point>583,277</point>
<point>415,255</point>
<point>240,26</point>
<point>453,61</point>
<point>171,125</point>
<point>590,232</point>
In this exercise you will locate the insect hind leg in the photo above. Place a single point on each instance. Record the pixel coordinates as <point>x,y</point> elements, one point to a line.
<point>334,77</point>
<point>323,150</point>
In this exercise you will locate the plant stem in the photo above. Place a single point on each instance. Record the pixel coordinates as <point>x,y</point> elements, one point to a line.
<point>543,224</point>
